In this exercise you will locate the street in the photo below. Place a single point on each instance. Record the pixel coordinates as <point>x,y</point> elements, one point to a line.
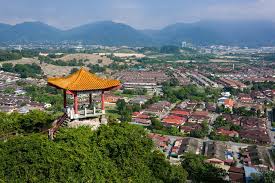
<point>269,127</point>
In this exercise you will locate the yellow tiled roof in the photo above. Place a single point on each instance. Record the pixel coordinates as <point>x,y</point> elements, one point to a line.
<point>83,80</point>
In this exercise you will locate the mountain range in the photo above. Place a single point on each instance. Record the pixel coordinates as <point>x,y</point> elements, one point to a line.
<point>237,33</point>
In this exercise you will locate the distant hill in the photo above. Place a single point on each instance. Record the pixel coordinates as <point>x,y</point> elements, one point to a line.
<point>4,27</point>
<point>239,33</point>
<point>30,31</point>
<point>108,33</point>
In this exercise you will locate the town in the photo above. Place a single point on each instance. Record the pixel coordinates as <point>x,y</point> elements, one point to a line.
<point>215,101</point>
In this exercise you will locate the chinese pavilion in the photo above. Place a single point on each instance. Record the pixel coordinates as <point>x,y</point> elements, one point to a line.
<point>80,83</point>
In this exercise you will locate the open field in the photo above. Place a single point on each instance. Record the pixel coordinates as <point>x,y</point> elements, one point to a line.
<point>54,70</point>
<point>48,69</point>
<point>91,58</point>
<point>23,61</point>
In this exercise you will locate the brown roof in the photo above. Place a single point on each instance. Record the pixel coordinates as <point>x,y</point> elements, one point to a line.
<point>236,169</point>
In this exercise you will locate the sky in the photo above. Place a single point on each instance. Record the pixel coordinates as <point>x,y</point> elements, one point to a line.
<point>141,14</point>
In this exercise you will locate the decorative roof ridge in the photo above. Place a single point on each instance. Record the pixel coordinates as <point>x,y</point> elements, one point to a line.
<point>77,78</point>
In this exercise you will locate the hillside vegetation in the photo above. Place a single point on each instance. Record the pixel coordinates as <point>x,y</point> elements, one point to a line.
<point>115,153</point>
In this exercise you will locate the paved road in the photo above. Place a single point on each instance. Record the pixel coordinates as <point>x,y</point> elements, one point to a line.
<point>271,159</point>
<point>269,127</point>
<point>168,111</point>
<point>212,120</point>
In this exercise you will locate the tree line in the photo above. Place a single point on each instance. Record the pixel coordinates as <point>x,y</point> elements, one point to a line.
<point>24,70</point>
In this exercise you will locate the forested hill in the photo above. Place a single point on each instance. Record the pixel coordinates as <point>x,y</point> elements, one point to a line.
<point>117,152</point>
<point>238,33</point>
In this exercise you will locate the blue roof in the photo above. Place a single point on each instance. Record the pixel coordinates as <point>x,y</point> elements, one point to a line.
<point>249,170</point>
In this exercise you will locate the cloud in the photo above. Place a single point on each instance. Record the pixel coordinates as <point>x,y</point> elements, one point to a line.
<point>138,13</point>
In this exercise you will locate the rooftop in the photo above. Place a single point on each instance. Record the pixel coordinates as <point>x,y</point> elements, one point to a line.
<point>83,80</point>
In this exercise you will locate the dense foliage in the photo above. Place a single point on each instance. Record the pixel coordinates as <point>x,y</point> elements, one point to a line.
<point>8,55</point>
<point>14,123</point>
<point>220,122</point>
<point>263,86</point>
<point>114,153</point>
<point>201,171</point>
<point>264,177</point>
<point>46,94</point>
<point>25,70</point>
<point>125,110</point>
<point>200,133</point>
<point>73,62</point>
<point>96,68</point>
<point>191,92</point>
<point>138,91</point>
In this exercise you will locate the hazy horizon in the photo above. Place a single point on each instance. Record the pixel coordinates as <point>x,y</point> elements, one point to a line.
<point>140,14</point>
<point>152,29</point>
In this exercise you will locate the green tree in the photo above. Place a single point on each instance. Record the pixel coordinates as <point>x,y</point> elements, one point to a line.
<point>169,174</point>
<point>73,70</point>
<point>264,177</point>
<point>9,90</point>
<point>8,67</point>
<point>34,121</point>
<point>200,171</point>
<point>156,124</point>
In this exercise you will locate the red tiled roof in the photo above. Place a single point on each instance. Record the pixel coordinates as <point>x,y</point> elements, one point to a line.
<point>229,102</point>
<point>180,112</point>
<point>136,113</point>
<point>172,121</point>
<point>175,117</point>
<point>143,116</point>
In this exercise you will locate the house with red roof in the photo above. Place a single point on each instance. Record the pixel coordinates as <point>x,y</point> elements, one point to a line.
<point>199,117</point>
<point>228,103</point>
<point>189,128</point>
<point>161,141</point>
<point>245,98</point>
<point>181,112</point>
<point>141,118</point>
<point>173,120</point>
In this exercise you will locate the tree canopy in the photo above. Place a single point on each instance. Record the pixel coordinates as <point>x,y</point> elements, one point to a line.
<point>34,121</point>
<point>113,153</point>
<point>25,70</point>
<point>201,171</point>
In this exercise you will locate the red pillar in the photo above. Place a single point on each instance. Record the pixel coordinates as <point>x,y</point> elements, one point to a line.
<point>65,98</point>
<point>75,103</point>
<point>102,101</point>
